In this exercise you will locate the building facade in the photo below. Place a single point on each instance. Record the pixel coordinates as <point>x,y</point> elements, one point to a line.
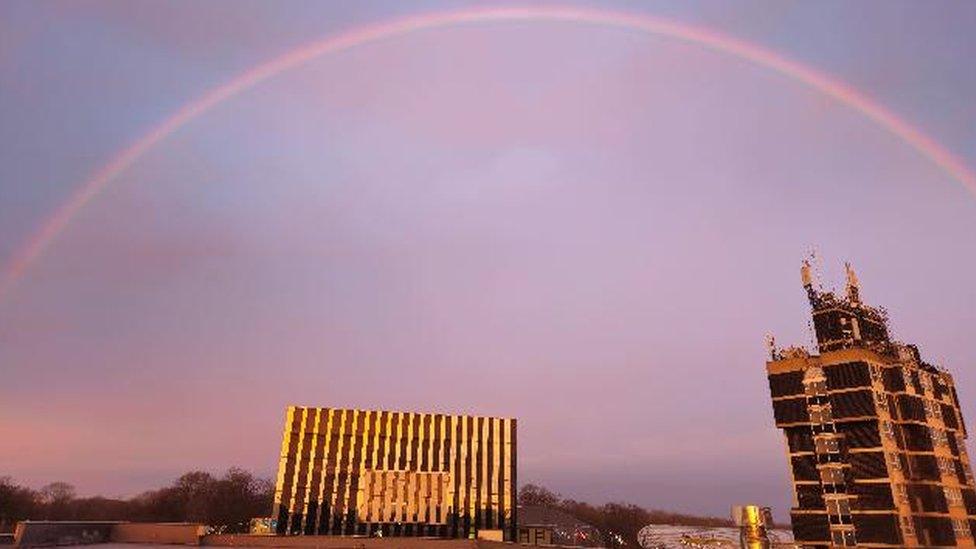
<point>362,472</point>
<point>875,437</point>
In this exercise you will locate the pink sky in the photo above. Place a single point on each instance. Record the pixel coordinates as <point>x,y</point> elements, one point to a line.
<point>589,229</point>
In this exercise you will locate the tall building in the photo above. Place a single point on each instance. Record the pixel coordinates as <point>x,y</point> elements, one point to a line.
<point>875,437</point>
<point>358,472</point>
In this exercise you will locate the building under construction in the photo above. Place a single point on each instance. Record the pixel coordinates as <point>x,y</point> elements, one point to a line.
<point>875,437</point>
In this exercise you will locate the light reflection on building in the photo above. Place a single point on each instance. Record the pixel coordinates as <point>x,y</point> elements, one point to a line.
<point>366,472</point>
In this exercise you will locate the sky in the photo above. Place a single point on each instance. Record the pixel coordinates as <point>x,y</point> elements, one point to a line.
<point>589,229</point>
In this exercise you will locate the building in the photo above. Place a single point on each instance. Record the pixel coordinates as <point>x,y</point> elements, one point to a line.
<point>379,473</point>
<point>545,525</point>
<point>875,437</point>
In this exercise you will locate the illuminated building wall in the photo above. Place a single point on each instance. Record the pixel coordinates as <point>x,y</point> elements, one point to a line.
<point>395,474</point>
<point>875,437</point>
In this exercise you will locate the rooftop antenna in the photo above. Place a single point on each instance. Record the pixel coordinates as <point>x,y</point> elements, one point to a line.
<point>852,286</point>
<point>815,261</point>
<point>771,345</point>
<point>810,277</point>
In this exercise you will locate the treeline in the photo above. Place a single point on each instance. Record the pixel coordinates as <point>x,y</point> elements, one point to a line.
<point>618,523</point>
<point>225,503</point>
<point>228,503</point>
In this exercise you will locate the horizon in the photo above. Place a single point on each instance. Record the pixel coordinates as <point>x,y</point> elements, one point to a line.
<point>589,229</point>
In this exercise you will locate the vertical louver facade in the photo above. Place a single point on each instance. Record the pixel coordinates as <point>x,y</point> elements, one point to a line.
<point>363,472</point>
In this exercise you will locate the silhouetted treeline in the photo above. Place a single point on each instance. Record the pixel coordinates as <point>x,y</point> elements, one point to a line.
<point>227,503</point>
<point>618,523</point>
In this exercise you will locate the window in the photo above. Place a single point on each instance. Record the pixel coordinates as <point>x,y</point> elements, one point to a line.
<point>814,387</point>
<point>838,506</point>
<point>961,528</point>
<point>814,381</point>
<point>821,413</point>
<point>827,443</point>
<point>946,466</point>
<point>832,475</point>
<point>953,496</point>
<point>843,538</point>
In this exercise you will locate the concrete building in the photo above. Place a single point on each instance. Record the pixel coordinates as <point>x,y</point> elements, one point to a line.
<point>875,437</point>
<point>357,472</point>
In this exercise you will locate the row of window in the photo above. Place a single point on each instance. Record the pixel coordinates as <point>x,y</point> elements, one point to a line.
<point>946,466</point>
<point>815,383</point>
<point>953,495</point>
<point>926,381</point>
<point>940,437</point>
<point>932,408</point>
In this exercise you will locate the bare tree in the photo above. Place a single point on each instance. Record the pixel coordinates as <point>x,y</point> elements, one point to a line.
<point>57,498</point>
<point>532,494</point>
<point>16,503</point>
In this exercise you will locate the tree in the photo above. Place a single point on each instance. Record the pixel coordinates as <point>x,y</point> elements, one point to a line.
<point>227,504</point>
<point>195,491</point>
<point>623,521</point>
<point>57,498</point>
<point>57,493</point>
<point>532,494</point>
<point>237,498</point>
<point>16,503</point>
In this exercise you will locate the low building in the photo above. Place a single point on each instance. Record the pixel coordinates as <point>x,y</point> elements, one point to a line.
<point>381,473</point>
<point>542,525</point>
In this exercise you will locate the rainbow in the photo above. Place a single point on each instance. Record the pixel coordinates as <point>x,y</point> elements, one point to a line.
<point>56,223</point>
